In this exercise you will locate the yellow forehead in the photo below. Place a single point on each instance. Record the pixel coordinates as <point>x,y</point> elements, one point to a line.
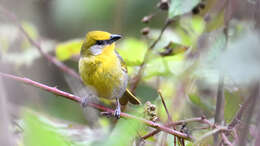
<point>98,35</point>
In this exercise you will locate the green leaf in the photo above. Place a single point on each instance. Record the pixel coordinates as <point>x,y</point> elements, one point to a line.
<point>232,104</point>
<point>146,93</point>
<point>38,133</point>
<point>30,29</point>
<point>156,67</point>
<point>164,66</point>
<point>189,29</point>
<point>132,51</point>
<point>202,103</point>
<point>124,133</point>
<point>179,7</point>
<point>66,50</point>
<point>173,49</point>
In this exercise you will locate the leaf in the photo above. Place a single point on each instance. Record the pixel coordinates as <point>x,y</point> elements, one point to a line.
<point>202,103</point>
<point>173,48</point>
<point>30,29</point>
<point>38,133</point>
<point>164,66</point>
<point>177,64</point>
<point>66,50</point>
<point>146,93</point>
<point>189,29</point>
<point>179,7</point>
<point>232,104</point>
<point>124,133</point>
<point>156,67</point>
<point>132,51</point>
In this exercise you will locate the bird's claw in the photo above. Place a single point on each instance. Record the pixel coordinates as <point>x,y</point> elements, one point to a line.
<point>84,102</point>
<point>117,113</point>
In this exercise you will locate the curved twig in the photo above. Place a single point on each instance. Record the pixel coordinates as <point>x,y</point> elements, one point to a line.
<point>75,98</point>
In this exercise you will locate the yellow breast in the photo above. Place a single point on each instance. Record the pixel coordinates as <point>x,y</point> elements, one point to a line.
<point>102,72</point>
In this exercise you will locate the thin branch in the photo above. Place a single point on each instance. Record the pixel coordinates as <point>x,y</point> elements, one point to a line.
<point>138,77</point>
<point>50,58</point>
<point>245,128</point>
<point>237,118</point>
<point>167,112</point>
<point>225,139</point>
<point>220,101</point>
<point>196,119</point>
<point>165,107</point>
<point>219,113</point>
<point>215,131</point>
<point>239,114</point>
<point>75,98</point>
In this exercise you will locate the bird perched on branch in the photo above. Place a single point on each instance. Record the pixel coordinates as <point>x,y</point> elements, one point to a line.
<point>103,70</point>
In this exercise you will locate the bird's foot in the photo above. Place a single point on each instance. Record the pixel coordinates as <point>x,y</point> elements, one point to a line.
<point>117,113</point>
<point>84,102</point>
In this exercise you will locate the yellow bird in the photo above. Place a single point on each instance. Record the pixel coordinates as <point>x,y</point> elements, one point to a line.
<point>103,70</point>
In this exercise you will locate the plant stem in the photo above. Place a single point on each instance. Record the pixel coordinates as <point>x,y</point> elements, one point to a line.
<point>75,98</point>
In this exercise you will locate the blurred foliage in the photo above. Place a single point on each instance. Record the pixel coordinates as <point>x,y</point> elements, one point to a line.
<point>66,50</point>
<point>201,103</point>
<point>189,29</point>
<point>124,133</point>
<point>16,49</point>
<point>232,101</point>
<point>180,7</point>
<point>240,61</point>
<point>185,65</point>
<point>132,51</point>
<point>39,133</point>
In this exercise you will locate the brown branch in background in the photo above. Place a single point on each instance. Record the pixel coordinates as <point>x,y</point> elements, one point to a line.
<point>75,98</point>
<point>181,122</point>
<point>219,113</point>
<point>50,58</point>
<point>220,101</point>
<point>237,118</point>
<point>138,77</point>
<point>167,112</point>
<point>225,139</point>
<point>257,135</point>
<point>210,133</point>
<point>249,115</point>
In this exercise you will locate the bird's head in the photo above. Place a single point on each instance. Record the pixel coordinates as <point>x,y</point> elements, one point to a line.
<point>96,41</point>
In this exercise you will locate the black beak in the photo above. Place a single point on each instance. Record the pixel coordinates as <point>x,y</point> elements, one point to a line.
<point>115,37</point>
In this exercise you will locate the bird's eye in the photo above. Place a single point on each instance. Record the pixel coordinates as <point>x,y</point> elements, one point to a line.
<point>100,42</point>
